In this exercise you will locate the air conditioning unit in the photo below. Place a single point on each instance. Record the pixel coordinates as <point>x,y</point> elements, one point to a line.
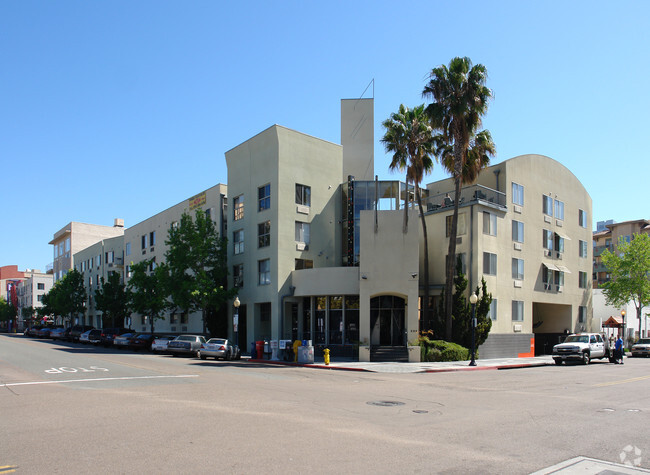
<point>518,284</point>
<point>558,255</point>
<point>302,209</point>
<point>559,288</point>
<point>517,246</point>
<point>558,223</point>
<point>517,209</point>
<point>517,328</point>
<point>548,253</point>
<point>301,246</point>
<point>547,219</point>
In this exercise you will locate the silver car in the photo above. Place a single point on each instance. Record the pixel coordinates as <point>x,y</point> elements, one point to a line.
<point>641,347</point>
<point>185,345</point>
<point>219,348</point>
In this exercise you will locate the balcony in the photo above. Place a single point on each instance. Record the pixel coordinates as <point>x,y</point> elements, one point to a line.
<point>475,194</point>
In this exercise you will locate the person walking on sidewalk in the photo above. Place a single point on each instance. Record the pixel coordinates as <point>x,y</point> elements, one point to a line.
<point>618,350</point>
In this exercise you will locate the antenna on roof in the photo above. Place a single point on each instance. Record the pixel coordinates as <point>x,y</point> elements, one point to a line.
<point>372,82</point>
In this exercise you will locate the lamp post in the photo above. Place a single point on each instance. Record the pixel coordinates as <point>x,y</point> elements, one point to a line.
<point>623,336</point>
<point>235,318</point>
<point>473,299</point>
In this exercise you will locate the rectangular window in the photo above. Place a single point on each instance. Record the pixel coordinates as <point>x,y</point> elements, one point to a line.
<point>582,280</point>
<point>517,311</point>
<point>144,241</point>
<point>559,209</point>
<point>39,298</point>
<point>489,263</point>
<point>184,318</point>
<point>127,249</point>
<point>98,261</point>
<point>302,232</point>
<point>264,197</point>
<point>461,256</point>
<point>265,312</point>
<point>67,245</point>
<point>517,231</point>
<point>304,264</point>
<point>518,269</point>
<point>559,243</point>
<point>547,239</point>
<point>238,207</point>
<point>238,275</point>
<point>582,314</point>
<point>547,205</point>
<point>559,278</point>
<point>238,241</point>
<point>489,223</point>
<point>582,218</point>
<point>264,272</point>
<point>303,195</point>
<point>583,248</point>
<point>152,238</point>
<point>493,310</point>
<point>109,257</point>
<point>173,318</point>
<point>517,194</point>
<point>40,286</point>
<point>264,234</point>
<point>462,225</point>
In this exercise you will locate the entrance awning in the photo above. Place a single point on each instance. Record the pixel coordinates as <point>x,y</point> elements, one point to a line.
<point>550,266</point>
<point>566,238</point>
<point>564,269</point>
<point>613,322</point>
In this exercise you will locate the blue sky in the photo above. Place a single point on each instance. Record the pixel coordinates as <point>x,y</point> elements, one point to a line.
<point>124,108</point>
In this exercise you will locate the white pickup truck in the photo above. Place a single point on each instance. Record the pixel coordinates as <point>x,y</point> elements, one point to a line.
<point>581,347</point>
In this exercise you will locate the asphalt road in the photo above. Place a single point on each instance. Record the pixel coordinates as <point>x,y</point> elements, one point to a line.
<point>69,408</point>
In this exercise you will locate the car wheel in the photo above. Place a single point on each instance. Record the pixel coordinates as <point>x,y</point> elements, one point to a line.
<point>228,356</point>
<point>202,356</point>
<point>585,358</point>
<point>558,361</point>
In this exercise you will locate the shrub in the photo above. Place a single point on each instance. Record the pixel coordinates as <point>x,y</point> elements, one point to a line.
<point>440,350</point>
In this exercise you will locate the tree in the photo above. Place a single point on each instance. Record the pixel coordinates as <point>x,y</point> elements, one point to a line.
<point>147,290</point>
<point>112,298</point>
<point>460,99</point>
<point>7,311</point>
<point>196,262</point>
<point>409,137</point>
<point>630,270</point>
<point>28,314</point>
<point>66,298</point>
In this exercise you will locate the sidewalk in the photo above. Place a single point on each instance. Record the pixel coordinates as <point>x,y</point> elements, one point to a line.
<point>438,367</point>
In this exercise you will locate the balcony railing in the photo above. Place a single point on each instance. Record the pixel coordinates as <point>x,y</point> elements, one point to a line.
<point>470,194</point>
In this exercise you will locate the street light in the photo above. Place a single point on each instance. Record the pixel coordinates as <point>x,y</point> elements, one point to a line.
<point>235,318</point>
<point>473,299</point>
<point>623,317</point>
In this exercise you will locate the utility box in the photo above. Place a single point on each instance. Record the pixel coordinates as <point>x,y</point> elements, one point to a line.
<point>306,354</point>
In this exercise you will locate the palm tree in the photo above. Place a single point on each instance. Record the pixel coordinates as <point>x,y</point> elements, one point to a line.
<point>409,137</point>
<point>460,99</point>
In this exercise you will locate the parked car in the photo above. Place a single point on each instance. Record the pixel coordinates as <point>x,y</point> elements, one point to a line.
<point>581,347</point>
<point>159,344</point>
<point>219,348</point>
<point>77,330</point>
<point>186,345</point>
<point>31,331</point>
<point>122,341</point>
<point>108,334</point>
<point>57,333</point>
<point>641,347</point>
<point>43,332</point>
<point>142,341</point>
<point>93,336</point>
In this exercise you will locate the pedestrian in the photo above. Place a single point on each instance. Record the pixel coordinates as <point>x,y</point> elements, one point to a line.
<point>618,350</point>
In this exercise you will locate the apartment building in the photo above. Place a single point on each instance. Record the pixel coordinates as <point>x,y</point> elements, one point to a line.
<point>94,263</point>
<point>525,227</point>
<point>30,292</point>
<point>74,237</point>
<point>146,241</point>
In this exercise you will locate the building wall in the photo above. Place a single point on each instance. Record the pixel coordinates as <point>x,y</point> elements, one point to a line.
<point>358,138</point>
<point>29,293</point>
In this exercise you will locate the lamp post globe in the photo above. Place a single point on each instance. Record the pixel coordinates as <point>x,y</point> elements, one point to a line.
<point>473,299</point>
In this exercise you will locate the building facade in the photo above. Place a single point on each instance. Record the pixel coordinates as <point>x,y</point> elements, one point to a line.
<point>30,294</point>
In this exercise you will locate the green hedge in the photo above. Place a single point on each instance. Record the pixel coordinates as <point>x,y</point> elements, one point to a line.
<point>440,350</point>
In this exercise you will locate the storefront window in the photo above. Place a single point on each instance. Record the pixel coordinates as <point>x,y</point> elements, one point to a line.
<point>336,320</point>
<point>351,319</point>
<point>321,314</point>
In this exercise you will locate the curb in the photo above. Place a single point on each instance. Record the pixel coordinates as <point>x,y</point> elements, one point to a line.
<point>307,365</point>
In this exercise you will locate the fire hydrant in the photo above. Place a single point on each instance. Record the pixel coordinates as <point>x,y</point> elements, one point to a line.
<point>326,356</point>
<point>296,344</point>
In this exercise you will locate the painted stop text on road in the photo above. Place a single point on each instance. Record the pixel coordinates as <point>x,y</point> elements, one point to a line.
<point>67,369</point>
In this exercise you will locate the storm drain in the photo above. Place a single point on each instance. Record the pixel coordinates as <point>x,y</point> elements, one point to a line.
<point>385,403</point>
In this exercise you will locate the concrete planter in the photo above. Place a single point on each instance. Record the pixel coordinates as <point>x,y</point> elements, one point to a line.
<point>414,354</point>
<point>364,353</point>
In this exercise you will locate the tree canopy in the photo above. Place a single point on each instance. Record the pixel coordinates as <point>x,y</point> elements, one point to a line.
<point>148,290</point>
<point>111,298</point>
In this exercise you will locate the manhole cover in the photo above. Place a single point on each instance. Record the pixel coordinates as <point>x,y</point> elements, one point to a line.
<point>420,411</point>
<point>385,403</point>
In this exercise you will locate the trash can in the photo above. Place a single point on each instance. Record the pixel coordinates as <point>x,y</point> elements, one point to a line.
<point>259,349</point>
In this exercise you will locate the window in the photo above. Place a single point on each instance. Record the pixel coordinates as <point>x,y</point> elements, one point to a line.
<point>518,269</point>
<point>462,227</point>
<point>518,231</point>
<point>208,214</point>
<point>98,260</point>
<point>304,264</point>
<point>264,272</point>
<point>559,209</point>
<point>547,205</point>
<point>40,286</point>
<point>264,234</point>
<point>559,278</point>
<point>67,245</point>
<point>517,194</point>
<point>582,218</point>
<point>489,223</point>
<point>173,318</point>
<point>144,241</point>
<point>493,310</point>
<point>152,264</point>
<point>265,312</point>
<point>303,195</point>
<point>582,314</point>
<point>547,239</point>
<point>461,256</point>
<point>559,243</point>
<point>238,207</point>
<point>109,257</point>
<point>583,248</point>
<point>517,311</point>
<point>152,238</point>
<point>302,232</point>
<point>489,263</point>
<point>127,249</point>
<point>238,241</point>
<point>39,298</point>
<point>582,280</point>
<point>264,197</point>
<point>238,275</point>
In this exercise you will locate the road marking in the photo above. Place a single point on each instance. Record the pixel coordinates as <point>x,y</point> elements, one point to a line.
<point>612,383</point>
<point>8,469</point>
<point>97,379</point>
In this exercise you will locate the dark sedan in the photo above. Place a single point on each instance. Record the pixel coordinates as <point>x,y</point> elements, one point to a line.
<point>142,341</point>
